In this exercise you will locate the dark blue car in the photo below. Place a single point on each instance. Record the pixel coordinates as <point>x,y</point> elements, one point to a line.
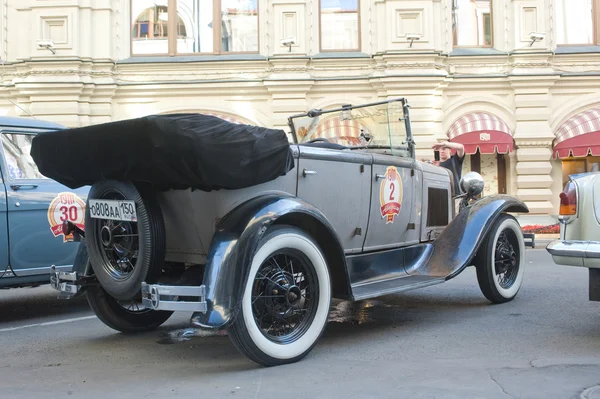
<point>33,210</point>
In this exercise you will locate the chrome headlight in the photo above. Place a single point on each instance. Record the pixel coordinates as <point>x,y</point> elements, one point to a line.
<point>472,184</point>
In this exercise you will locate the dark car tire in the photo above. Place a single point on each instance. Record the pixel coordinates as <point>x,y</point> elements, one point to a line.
<point>503,242</point>
<point>150,242</point>
<point>245,333</point>
<point>117,317</point>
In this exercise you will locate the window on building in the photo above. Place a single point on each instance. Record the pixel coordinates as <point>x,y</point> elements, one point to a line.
<point>202,26</point>
<point>577,22</point>
<point>339,25</point>
<point>472,23</point>
<point>573,165</point>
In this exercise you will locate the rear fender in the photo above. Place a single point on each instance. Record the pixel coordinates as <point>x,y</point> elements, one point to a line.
<point>236,240</point>
<point>457,245</point>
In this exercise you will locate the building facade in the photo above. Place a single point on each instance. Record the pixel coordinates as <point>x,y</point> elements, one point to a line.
<point>517,81</point>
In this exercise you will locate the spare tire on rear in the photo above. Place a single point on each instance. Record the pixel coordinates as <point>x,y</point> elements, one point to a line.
<point>123,254</point>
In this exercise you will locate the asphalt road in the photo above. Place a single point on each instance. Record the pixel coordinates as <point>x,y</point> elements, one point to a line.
<point>441,341</point>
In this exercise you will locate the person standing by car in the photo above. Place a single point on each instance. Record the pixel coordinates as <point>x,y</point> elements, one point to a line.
<point>452,162</point>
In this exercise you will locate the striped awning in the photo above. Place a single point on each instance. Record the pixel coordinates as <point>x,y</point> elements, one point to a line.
<point>483,131</point>
<point>579,135</point>
<point>342,131</point>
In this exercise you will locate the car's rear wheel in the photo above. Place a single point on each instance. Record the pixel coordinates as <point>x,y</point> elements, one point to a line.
<point>126,253</point>
<point>124,316</point>
<point>285,300</point>
<point>500,262</point>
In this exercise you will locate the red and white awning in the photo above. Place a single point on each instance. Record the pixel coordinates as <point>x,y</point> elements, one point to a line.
<point>579,136</point>
<point>343,131</point>
<point>483,131</point>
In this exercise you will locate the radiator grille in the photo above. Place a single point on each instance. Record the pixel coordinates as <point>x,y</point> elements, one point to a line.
<point>437,208</point>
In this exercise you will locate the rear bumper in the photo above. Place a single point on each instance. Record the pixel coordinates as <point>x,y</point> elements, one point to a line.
<point>583,254</point>
<point>574,248</point>
<point>174,297</point>
<point>575,252</point>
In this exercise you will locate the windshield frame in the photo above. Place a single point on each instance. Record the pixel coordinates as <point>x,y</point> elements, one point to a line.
<point>318,112</point>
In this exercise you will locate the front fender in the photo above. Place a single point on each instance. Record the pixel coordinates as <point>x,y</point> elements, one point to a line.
<point>456,246</point>
<point>233,247</point>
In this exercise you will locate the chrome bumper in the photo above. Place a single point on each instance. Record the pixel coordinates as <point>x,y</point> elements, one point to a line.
<point>574,248</point>
<point>69,284</point>
<point>170,297</point>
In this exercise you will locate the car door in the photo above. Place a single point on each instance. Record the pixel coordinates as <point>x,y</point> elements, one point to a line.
<point>338,184</point>
<point>392,221</point>
<point>36,208</point>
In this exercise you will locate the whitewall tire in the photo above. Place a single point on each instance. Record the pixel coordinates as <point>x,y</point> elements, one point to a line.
<point>286,299</point>
<point>501,260</point>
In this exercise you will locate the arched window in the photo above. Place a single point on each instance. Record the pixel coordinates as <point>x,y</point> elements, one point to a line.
<point>152,23</point>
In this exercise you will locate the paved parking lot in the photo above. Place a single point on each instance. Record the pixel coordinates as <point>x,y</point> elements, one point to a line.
<point>442,341</point>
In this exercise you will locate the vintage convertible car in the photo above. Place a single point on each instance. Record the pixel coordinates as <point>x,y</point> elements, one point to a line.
<point>256,235</point>
<point>579,217</point>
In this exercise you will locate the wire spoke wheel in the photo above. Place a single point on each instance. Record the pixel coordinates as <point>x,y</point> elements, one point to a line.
<point>500,261</point>
<point>506,259</point>
<point>124,254</point>
<point>119,241</point>
<point>133,305</point>
<point>285,296</point>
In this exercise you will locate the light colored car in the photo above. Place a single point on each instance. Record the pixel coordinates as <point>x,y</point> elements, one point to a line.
<point>256,235</point>
<point>579,216</point>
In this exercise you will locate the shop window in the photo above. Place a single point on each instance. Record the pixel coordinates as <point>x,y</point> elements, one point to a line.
<point>472,23</point>
<point>579,165</point>
<point>339,25</point>
<point>233,28</point>
<point>577,22</point>
<point>492,168</point>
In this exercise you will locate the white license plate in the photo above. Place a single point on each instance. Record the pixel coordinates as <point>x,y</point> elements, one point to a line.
<point>113,210</point>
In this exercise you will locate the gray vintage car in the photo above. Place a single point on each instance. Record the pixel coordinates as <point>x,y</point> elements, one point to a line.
<point>344,211</point>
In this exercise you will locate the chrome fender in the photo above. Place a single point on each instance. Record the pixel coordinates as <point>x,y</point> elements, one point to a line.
<point>457,245</point>
<point>235,242</point>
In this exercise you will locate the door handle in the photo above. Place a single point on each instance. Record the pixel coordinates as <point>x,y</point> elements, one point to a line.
<point>308,172</point>
<point>379,176</point>
<point>23,186</point>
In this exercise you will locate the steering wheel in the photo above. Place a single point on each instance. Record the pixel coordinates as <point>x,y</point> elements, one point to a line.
<point>318,139</point>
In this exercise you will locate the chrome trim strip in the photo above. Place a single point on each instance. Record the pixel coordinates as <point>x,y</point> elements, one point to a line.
<point>574,248</point>
<point>41,270</point>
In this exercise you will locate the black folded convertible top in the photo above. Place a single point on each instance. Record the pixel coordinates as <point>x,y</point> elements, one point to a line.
<point>175,151</point>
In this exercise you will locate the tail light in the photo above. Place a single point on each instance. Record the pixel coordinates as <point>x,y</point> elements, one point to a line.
<point>568,200</point>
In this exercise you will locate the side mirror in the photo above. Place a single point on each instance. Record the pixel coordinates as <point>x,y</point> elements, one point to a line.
<point>472,184</point>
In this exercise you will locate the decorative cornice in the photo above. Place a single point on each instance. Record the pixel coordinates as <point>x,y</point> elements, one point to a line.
<point>537,143</point>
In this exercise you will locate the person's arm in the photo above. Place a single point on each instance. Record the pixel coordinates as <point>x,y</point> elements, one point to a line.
<point>460,149</point>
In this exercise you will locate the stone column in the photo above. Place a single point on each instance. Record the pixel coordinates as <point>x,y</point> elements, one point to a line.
<point>533,139</point>
<point>289,97</point>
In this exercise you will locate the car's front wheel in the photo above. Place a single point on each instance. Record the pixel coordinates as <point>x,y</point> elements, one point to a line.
<point>500,262</point>
<point>285,301</point>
